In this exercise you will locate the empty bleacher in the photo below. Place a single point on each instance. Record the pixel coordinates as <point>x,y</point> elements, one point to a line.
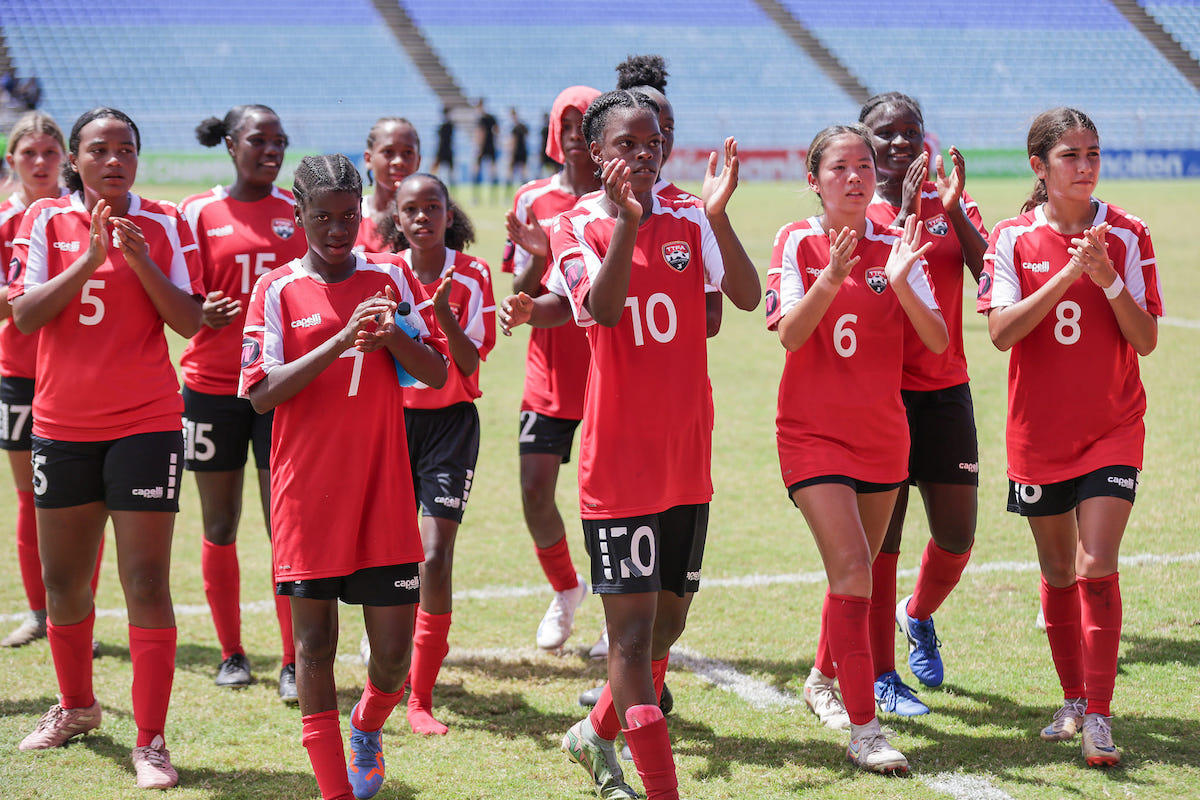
<point>1181,19</point>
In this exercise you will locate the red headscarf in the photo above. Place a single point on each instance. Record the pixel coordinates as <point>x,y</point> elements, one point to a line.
<point>572,97</point>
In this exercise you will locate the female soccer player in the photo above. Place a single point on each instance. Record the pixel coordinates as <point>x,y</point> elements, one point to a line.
<point>319,349</point>
<point>839,290</point>
<point>442,423</point>
<point>943,458</point>
<point>1071,288</point>
<point>99,272</point>
<point>634,267</point>
<point>393,153</point>
<point>243,231</point>
<point>557,360</point>
<point>35,152</point>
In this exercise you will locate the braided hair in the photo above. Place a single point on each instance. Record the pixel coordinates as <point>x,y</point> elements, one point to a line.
<point>891,99</point>
<point>598,112</point>
<point>315,174</point>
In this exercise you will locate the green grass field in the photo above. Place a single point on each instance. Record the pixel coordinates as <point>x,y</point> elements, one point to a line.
<point>739,728</point>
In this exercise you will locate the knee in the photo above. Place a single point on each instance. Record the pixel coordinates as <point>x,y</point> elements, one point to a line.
<point>147,587</point>
<point>315,646</point>
<point>389,663</point>
<point>667,630</point>
<point>436,568</point>
<point>221,531</point>
<point>537,495</point>
<point>851,577</point>
<point>632,641</point>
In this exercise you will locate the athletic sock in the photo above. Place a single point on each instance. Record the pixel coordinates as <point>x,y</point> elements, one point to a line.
<point>1060,607</point>
<point>940,573</point>
<point>27,552</point>
<point>603,715</point>
<point>650,745</point>
<point>1100,614</point>
<point>882,623</point>
<point>283,612</point>
<point>222,587</point>
<point>430,646</point>
<point>152,651</point>
<point>556,563</point>
<point>658,671</point>
<point>322,738</point>
<point>374,707</point>
<point>824,654</point>
<point>71,648</point>
<point>849,640</point>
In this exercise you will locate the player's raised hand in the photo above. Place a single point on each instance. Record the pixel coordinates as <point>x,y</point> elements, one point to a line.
<point>128,237</point>
<point>914,177</point>
<point>841,247</point>
<point>906,251</point>
<point>441,295</point>
<point>950,187</point>
<point>614,177</point>
<point>1089,253</point>
<point>529,236</point>
<point>373,337</point>
<point>219,310</point>
<point>718,186</point>
<point>516,309</point>
<point>98,235</point>
<point>366,318</point>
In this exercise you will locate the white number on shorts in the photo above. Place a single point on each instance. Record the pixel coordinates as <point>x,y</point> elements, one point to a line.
<point>195,437</point>
<point>357,355</point>
<point>1067,330</point>
<point>660,335</point>
<point>527,420</point>
<point>262,265</point>
<point>40,484</point>
<point>845,342</point>
<point>89,299</point>
<point>9,428</point>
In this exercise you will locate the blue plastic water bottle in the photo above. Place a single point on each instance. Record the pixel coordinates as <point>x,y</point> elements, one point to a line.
<point>404,322</point>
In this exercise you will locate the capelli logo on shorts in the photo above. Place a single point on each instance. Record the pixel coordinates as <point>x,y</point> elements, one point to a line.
<point>967,466</point>
<point>150,494</point>
<point>307,322</point>
<point>70,247</point>
<point>1125,483</point>
<point>412,584</point>
<point>448,502</point>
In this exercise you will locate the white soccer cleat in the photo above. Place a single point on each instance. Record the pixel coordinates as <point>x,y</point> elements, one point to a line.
<point>822,696</point>
<point>1067,721</point>
<point>555,627</point>
<point>600,648</point>
<point>870,749</point>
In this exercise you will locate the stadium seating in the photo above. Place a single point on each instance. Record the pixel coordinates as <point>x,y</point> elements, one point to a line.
<point>1181,19</point>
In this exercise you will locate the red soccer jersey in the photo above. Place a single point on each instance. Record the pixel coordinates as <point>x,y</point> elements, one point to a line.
<point>556,363</point>
<point>18,351</point>
<point>475,309</point>
<point>839,409</point>
<point>238,242</point>
<point>103,370</point>
<point>1075,396</point>
<point>369,240</point>
<point>341,489</point>
<point>925,370</point>
<point>647,424</point>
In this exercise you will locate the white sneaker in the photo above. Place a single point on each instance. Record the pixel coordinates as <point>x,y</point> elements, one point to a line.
<point>555,627</point>
<point>600,648</point>
<point>1098,747</point>
<point>870,749</point>
<point>823,698</point>
<point>32,628</point>
<point>1067,721</point>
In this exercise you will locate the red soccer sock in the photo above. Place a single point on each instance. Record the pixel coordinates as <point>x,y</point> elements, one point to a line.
<point>222,587</point>
<point>374,708</point>
<point>1060,607</point>
<point>1100,614</point>
<point>71,648</point>
<point>824,654</point>
<point>556,563</point>
<point>849,639</point>
<point>322,738</point>
<point>152,651</point>
<point>603,715</point>
<point>430,646</point>
<point>27,553</point>
<point>940,573</point>
<point>882,622</point>
<point>658,671</point>
<point>283,612</point>
<point>650,745</point>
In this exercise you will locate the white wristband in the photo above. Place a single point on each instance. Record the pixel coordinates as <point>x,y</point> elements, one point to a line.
<point>1115,289</point>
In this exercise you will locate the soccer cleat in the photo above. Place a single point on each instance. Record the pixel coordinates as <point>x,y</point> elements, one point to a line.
<point>870,749</point>
<point>892,695</point>
<point>923,657</point>
<point>600,648</point>
<point>234,671</point>
<point>1067,721</point>
<point>589,697</point>
<point>598,758</point>
<point>152,764</point>
<point>555,627</point>
<point>1039,621</point>
<point>60,724</point>
<point>30,630</point>
<point>822,696</point>
<point>666,701</point>
<point>1098,747</point>
<point>287,685</point>
<point>365,769</point>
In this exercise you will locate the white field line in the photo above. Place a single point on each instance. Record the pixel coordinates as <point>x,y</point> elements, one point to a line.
<point>1180,323</point>
<point>965,786</point>
<point>741,581</point>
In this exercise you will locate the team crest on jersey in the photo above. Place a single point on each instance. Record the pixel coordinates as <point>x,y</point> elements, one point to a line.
<point>772,302</point>
<point>283,227</point>
<point>677,254</point>
<point>877,279</point>
<point>250,351</point>
<point>938,226</point>
<point>573,271</point>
